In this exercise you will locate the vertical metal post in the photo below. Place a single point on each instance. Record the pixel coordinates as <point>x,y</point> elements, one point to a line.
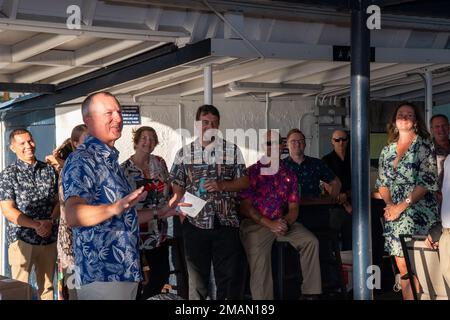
<point>267,111</point>
<point>428,97</point>
<point>360,73</point>
<point>208,99</point>
<point>208,85</point>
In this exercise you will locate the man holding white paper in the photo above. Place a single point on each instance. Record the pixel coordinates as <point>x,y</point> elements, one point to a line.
<point>212,169</point>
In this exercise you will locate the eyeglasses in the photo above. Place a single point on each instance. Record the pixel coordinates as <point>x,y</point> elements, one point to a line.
<point>340,139</point>
<point>301,141</point>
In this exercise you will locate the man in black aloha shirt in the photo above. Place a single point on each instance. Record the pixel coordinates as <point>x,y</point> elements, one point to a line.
<point>213,235</point>
<point>28,199</point>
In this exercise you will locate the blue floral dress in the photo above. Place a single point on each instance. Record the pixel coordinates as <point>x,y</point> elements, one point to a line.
<point>416,167</point>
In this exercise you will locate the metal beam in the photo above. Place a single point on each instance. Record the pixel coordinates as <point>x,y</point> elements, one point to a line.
<point>93,31</point>
<point>295,11</point>
<point>37,73</point>
<point>225,77</point>
<point>79,58</point>
<point>101,49</point>
<point>298,51</point>
<point>53,58</point>
<point>437,89</point>
<point>379,73</point>
<point>399,88</point>
<point>290,74</point>
<point>104,61</point>
<point>412,55</point>
<point>156,60</point>
<point>36,45</point>
<point>164,84</point>
<point>167,79</point>
<point>275,87</point>
<point>26,87</point>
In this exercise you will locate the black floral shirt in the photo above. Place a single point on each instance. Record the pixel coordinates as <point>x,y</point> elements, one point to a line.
<point>193,165</point>
<point>33,188</point>
<point>309,173</point>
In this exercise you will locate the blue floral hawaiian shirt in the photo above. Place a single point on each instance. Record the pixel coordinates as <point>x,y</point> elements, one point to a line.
<point>108,251</point>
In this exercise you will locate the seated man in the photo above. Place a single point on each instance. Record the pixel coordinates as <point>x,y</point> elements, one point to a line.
<point>262,204</point>
<point>310,173</point>
<point>338,161</point>
<point>320,211</point>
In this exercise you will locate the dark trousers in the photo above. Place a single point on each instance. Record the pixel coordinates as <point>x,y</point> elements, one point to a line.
<point>223,248</point>
<point>158,260</point>
<point>346,232</point>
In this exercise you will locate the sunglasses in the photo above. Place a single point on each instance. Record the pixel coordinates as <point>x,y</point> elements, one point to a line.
<point>340,139</point>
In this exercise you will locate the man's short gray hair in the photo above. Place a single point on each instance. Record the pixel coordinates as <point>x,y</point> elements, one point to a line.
<point>87,102</point>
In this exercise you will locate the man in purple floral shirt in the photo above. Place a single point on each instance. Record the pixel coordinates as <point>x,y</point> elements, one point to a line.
<point>265,204</point>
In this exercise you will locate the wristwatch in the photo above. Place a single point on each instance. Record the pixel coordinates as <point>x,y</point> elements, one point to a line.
<point>408,201</point>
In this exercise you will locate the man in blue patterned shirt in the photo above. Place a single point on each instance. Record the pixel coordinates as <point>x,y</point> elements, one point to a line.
<point>28,199</point>
<point>100,207</point>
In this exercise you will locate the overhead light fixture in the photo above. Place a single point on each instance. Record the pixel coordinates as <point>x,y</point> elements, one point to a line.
<point>274,87</point>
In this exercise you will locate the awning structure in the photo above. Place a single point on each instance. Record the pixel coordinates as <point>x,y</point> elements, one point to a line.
<point>280,47</point>
<point>143,49</point>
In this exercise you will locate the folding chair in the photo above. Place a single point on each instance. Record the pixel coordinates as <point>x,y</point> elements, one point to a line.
<point>424,263</point>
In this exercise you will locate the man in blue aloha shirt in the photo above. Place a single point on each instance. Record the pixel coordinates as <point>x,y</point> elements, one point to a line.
<point>100,208</point>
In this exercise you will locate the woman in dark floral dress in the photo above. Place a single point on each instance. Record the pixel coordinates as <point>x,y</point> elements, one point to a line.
<point>144,168</point>
<point>407,182</point>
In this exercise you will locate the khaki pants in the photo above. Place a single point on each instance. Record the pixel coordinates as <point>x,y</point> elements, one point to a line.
<point>22,256</point>
<point>444,254</point>
<point>257,241</point>
<point>108,291</point>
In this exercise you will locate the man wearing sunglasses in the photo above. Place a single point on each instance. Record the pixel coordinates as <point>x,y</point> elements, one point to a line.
<point>338,161</point>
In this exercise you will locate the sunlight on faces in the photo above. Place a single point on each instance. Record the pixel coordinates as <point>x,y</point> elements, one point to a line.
<point>24,147</point>
<point>440,129</point>
<point>339,140</point>
<point>296,144</point>
<point>146,143</point>
<point>206,126</point>
<point>80,140</point>
<point>405,118</point>
<point>105,119</point>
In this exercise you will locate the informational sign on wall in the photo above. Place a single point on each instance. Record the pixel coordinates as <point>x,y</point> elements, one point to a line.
<point>131,115</point>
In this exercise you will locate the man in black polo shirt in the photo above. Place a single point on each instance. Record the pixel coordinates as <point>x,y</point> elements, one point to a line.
<point>28,200</point>
<point>338,161</point>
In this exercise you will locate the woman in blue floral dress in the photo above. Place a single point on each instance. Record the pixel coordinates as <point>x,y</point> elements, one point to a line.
<point>407,182</point>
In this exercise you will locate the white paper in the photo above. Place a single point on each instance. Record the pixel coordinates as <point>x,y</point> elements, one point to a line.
<point>197,205</point>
